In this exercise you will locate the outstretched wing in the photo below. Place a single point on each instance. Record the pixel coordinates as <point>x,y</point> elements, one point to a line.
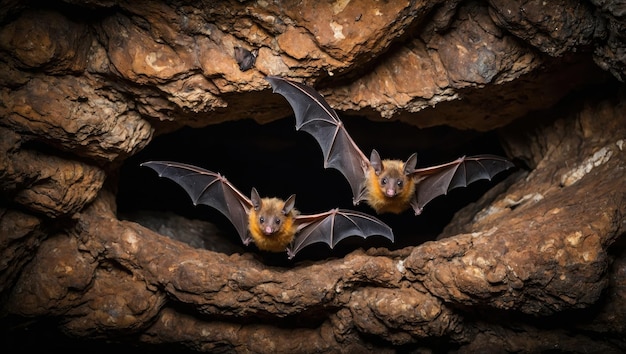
<point>437,180</point>
<point>208,188</point>
<point>316,117</point>
<point>333,226</point>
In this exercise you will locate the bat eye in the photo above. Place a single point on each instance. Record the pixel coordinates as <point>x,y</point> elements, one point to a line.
<point>400,183</point>
<point>383,181</point>
<point>262,220</point>
<point>277,221</point>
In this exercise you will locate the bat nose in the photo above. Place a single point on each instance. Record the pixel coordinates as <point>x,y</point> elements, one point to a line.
<point>390,192</point>
<point>268,230</point>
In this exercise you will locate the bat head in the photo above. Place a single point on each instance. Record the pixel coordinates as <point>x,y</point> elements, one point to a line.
<point>391,174</point>
<point>271,214</point>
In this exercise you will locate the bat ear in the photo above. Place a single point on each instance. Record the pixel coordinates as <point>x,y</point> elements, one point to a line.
<point>409,165</point>
<point>376,162</point>
<point>256,200</point>
<point>289,204</point>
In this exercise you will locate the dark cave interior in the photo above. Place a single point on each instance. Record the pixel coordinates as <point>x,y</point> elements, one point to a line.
<point>279,161</point>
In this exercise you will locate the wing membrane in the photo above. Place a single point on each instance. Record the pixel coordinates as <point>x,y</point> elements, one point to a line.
<point>208,188</point>
<point>434,181</point>
<point>335,225</point>
<point>316,117</point>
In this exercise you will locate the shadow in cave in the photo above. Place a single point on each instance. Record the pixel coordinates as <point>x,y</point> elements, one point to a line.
<point>279,161</point>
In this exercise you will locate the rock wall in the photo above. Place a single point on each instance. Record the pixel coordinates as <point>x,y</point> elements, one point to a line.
<point>535,264</point>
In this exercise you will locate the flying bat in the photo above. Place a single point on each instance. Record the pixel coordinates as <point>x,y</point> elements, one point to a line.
<point>272,224</point>
<point>388,186</point>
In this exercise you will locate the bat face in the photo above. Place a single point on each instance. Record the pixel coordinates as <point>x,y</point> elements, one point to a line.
<point>271,222</point>
<point>270,216</point>
<point>389,189</point>
<point>382,187</point>
<point>392,181</point>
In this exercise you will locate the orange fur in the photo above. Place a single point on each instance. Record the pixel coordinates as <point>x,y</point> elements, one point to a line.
<point>279,240</point>
<point>376,197</point>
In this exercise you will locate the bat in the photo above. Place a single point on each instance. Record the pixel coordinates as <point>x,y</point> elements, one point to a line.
<point>272,224</point>
<point>388,186</point>
<point>245,58</point>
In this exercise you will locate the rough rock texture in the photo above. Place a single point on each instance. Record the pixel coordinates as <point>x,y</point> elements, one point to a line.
<point>536,264</point>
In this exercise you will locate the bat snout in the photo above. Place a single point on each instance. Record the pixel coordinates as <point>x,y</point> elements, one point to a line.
<point>268,230</point>
<point>390,192</point>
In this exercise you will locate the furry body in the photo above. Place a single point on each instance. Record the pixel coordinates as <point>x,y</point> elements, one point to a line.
<point>389,190</point>
<point>271,225</point>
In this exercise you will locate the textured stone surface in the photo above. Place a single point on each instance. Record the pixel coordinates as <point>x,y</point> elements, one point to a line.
<point>45,183</point>
<point>536,264</point>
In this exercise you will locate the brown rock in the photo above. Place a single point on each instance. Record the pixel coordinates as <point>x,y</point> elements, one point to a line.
<point>552,27</point>
<point>537,244</point>
<point>20,236</point>
<point>608,53</point>
<point>535,264</point>
<point>67,112</point>
<point>43,183</point>
<point>46,40</point>
<point>438,69</point>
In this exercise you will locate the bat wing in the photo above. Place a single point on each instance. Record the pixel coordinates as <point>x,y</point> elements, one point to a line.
<point>208,188</point>
<point>335,225</point>
<point>437,180</point>
<point>316,117</point>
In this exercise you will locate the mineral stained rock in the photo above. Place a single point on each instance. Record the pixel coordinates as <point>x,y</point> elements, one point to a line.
<point>535,264</point>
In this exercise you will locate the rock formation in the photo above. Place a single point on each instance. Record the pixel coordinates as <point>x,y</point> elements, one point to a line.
<point>535,264</point>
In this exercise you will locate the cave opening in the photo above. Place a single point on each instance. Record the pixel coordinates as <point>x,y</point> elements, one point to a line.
<point>279,161</point>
